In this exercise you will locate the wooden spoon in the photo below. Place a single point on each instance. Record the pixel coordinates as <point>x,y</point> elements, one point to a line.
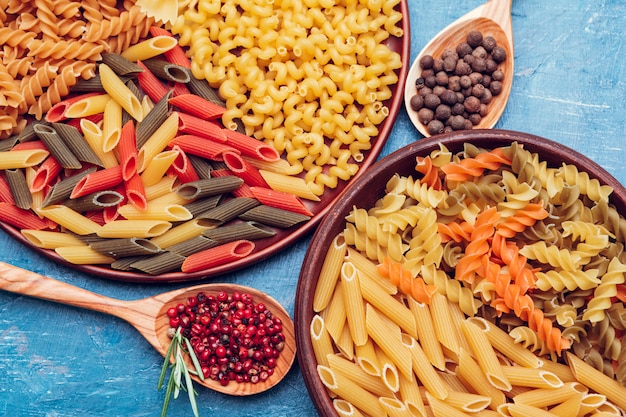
<point>492,18</point>
<point>149,315</point>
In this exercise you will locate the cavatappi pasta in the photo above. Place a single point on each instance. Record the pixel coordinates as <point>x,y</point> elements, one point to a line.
<point>309,77</point>
<point>543,334</point>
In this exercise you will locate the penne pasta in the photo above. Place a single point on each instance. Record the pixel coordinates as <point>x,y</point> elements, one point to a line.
<point>320,338</point>
<point>50,240</point>
<point>355,310</point>
<point>426,333</point>
<point>157,142</point>
<point>218,255</point>
<point>329,273</point>
<point>82,255</point>
<point>134,228</point>
<point>350,391</point>
<point>119,92</point>
<point>69,219</point>
<point>597,381</point>
<point>149,48</point>
<point>288,184</point>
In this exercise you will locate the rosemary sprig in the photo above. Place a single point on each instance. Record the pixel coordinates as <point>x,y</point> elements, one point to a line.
<point>177,348</point>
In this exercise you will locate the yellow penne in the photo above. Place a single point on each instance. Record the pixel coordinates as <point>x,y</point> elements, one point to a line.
<point>83,255</point>
<point>345,408</point>
<point>531,377</point>
<point>119,92</point>
<point>443,409</point>
<point>442,318</point>
<point>163,187</point>
<point>111,125</point>
<point>134,228</point>
<point>157,142</point>
<point>185,231</point>
<point>352,371</point>
<point>570,407</point>
<point>149,48</point>
<point>156,211</point>
<point>505,344</point>
<point>329,273</point>
<point>157,167</point>
<point>50,240</point>
<point>22,158</point>
<point>545,397</point>
<point>389,371</point>
<point>467,402</point>
<point>426,333</point>
<point>350,391</point>
<point>485,356</point>
<point>424,370</point>
<point>344,342</point>
<point>388,337</point>
<point>367,267</point>
<point>387,304</point>
<point>335,314</point>
<point>355,310</point>
<point>320,339</point>
<point>589,403</point>
<point>289,184</point>
<point>280,166</point>
<point>562,371</point>
<point>367,359</point>
<point>95,139</point>
<point>69,219</point>
<point>523,410</point>
<point>166,197</point>
<point>88,106</point>
<point>411,396</point>
<point>597,381</point>
<point>471,374</point>
<point>394,407</point>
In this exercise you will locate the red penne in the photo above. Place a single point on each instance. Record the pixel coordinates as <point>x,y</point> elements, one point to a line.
<point>22,219</point>
<point>182,167</point>
<point>96,216</point>
<point>242,191</point>
<point>48,171</point>
<point>150,84</point>
<point>193,125</point>
<point>57,112</point>
<point>251,146</point>
<point>175,55</point>
<point>127,147</point>
<point>180,89</point>
<point>218,255</point>
<point>136,193</point>
<point>31,144</point>
<point>280,200</point>
<point>206,148</point>
<point>241,168</point>
<point>197,106</point>
<point>97,181</point>
<point>6,196</point>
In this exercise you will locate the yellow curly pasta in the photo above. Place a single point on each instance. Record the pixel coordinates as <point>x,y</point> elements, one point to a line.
<point>601,300</point>
<point>451,288</point>
<point>558,280</point>
<point>552,255</point>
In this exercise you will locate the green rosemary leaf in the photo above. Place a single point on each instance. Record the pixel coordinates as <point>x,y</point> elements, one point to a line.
<point>168,394</point>
<point>166,361</point>
<point>194,359</point>
<point>191,394</point>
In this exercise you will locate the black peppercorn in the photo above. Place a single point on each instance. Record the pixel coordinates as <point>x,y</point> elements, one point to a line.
<point>426,62</point>
<point>495,87</point>
<point>474,38</point>
<point>442,112</point>
<point>472,104</point>
<point>498,54</point>
<point>425,115</point>
<point>432,101</point>
<point>417,102</point>
<point>489,42</point>
<point>435,127</point>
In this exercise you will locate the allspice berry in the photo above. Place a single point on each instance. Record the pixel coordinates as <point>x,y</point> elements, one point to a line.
<point>474,38</point>
<point>435,127</point>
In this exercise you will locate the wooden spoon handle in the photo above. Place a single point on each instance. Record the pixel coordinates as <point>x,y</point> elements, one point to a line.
<point>21,281</point>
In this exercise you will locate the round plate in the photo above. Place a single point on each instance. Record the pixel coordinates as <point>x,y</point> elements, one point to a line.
<point>284,237</point>
<point>370,187</point>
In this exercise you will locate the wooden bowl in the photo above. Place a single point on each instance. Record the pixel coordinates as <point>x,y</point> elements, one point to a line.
<point>364,192</point>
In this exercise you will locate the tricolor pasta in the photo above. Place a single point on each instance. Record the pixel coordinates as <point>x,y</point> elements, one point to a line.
<point>524,319</point>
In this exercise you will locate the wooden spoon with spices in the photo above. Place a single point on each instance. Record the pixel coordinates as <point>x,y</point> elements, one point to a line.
<point>492,18</point>
<point>149,316</point>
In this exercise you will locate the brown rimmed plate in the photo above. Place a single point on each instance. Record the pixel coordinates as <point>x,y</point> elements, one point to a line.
<point>284,237</point>
<point>371,186</point>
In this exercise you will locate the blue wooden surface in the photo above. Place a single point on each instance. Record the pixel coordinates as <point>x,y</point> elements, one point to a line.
<point>569,86</point>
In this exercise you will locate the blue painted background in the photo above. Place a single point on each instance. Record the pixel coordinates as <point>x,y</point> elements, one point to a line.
<point>569,86</point>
